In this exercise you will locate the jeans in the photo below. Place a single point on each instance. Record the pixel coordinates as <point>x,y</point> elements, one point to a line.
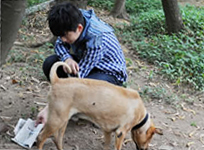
<point>94,74</point>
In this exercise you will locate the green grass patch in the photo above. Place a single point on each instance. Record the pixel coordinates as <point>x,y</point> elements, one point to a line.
<point>34,2</point>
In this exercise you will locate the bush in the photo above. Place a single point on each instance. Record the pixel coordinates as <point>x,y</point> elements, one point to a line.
<point>180,56</point>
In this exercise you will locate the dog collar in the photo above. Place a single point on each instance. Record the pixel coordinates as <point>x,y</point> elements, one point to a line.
<point>141,123</point>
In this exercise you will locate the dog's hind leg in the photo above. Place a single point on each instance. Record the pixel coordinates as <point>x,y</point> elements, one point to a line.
<point>58,136</point>
<point>107,136</point>
<point>46,132</point>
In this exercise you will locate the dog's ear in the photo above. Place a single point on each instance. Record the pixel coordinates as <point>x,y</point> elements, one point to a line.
<point>158,131</point>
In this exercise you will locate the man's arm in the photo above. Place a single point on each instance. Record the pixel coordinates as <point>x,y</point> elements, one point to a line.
<point>63,52</point>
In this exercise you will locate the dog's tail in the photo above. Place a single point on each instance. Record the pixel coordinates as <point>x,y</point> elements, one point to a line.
<point>53,73</point>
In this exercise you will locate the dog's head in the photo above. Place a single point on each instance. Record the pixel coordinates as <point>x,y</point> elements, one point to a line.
<point>143,135</point>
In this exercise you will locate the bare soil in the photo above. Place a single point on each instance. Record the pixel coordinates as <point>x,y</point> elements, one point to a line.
<point>177,109</point>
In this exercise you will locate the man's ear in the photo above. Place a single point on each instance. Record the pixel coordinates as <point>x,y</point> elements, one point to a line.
<point>158,131</point>
<point>80,27</point>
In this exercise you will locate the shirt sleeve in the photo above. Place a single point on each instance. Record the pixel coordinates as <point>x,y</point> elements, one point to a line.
<point>61,50</point>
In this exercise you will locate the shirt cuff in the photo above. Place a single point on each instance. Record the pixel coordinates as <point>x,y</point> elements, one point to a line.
<point>65,57</point>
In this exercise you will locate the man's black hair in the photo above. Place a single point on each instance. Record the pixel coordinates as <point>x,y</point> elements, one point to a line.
<point>64,17</point>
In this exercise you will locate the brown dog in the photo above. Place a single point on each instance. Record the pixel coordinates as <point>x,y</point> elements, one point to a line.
<point>113,108</point>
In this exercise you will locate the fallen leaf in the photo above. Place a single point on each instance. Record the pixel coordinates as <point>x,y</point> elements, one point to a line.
<point>189,144</point>
<point>6,118</point>
<point>44,82</point>
<point>193,132</point>
<point>173,119</point>
<point>132,68</point>
<point>40,103</point>
<point>202,138</point>
<point>187,109</point>
<point>181,117</point>
<point>14,81</point>
<point>9,134</point>
<point>152,84</point>
<point>34,79</point>
<point>3,87</point>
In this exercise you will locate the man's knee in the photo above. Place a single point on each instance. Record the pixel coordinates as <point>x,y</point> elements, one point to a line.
<point>47,64</point>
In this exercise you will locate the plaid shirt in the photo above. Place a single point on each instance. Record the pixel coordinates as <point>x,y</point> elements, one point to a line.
<point>97,47</point>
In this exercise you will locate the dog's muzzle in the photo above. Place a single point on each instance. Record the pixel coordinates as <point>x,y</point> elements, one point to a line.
<point>137,147</point>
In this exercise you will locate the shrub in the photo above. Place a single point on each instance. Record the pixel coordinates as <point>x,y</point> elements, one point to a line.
<point>179,56</point>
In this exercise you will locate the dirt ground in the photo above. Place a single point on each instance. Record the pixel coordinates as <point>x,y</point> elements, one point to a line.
<point>177,110</point>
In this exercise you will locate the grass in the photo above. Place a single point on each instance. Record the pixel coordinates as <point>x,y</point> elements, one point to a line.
<point>34,2</point>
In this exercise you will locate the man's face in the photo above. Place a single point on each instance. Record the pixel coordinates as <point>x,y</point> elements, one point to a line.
<point>71,36</point>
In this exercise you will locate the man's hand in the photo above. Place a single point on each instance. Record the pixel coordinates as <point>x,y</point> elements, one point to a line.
<point>73,65</point>
<point>42,116</point>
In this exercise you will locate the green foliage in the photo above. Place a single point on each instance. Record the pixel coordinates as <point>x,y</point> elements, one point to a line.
<point>108,4</point>
<point>179,56</point>
<point>140,6</point>
<point>193,124</point>
<point>34,2</point>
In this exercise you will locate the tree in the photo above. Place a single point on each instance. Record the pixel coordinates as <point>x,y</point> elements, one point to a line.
<point>119,10</point>
<point>173,17</point>
<point>11,16</point>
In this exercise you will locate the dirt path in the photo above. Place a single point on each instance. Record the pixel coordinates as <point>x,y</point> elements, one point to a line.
<point>177,110</point>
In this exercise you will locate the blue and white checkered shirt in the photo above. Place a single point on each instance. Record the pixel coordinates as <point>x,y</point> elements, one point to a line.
<point>97,47</point>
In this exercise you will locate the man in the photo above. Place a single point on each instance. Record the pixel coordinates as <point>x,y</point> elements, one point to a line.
<point>87,44</point>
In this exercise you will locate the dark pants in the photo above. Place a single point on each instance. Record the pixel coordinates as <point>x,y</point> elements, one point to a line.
<point>94,74</point>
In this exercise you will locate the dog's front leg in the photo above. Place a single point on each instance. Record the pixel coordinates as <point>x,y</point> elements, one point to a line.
<point>107,136</point>
<point>58,136</point>
<point>119,138</point>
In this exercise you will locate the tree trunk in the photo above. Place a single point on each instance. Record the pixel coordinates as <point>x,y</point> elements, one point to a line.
<point>119,10</point>
<point>174,21</point>
<point>11,16</point>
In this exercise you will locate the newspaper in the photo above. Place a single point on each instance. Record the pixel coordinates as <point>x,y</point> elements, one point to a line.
<point>26,132</point>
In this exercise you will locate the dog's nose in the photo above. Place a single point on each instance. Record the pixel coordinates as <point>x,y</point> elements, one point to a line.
<point>137,147</point>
